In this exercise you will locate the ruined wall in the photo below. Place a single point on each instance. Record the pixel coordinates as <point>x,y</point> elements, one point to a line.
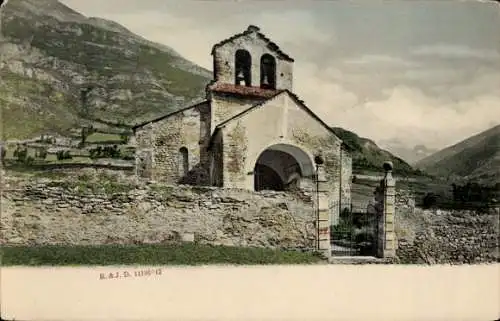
<point>161,141</point>
<point>53,213</point>
<point>224,63</point>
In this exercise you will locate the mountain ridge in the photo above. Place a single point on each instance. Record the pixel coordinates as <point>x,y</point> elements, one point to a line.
<point>410,154</point>
<point>51,52</point>
<point>475,158</point>
<point>52,55</point>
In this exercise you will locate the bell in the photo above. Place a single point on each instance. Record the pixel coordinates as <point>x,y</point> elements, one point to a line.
<point>240,77</point>
<point>265,81</point>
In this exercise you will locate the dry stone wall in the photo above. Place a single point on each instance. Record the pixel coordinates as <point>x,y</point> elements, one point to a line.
<point>53,213</point>
<point>446,237</point>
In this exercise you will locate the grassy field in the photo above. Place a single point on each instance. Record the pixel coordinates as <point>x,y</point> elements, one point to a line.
<point>362,189</point>
<point>79,156</point>
<point>103,137</point>
<point>171,254</point>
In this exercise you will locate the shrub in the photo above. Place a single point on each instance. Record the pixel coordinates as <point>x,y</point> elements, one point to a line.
<point>21,153</point>
<point>41,153</point>
<point>62,155</point>
<point>430,200</point>
<point>124,138</point>
<point>29,160</point>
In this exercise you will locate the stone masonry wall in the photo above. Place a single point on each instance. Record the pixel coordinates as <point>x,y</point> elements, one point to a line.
<point>346,180</point>
<point>163,140</point>
<point>224,63</point>
<point>279,121</point>
<point>53,213</point>
<point>447,237</point>
<point>224,107</point>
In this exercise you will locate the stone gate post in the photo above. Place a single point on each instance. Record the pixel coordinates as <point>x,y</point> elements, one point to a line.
<point>323,213</point>
<point>387,242</point>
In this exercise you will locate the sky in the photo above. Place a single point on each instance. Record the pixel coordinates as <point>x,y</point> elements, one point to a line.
<point>413,72</point>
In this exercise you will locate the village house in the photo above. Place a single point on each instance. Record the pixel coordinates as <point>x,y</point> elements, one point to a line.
<point>251,131</point>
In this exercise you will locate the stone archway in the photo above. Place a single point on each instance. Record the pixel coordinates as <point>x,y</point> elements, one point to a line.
<point>282,167</point>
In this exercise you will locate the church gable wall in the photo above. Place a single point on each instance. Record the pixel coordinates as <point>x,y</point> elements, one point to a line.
<point>225,107</point>
<point>278,121</point>
<point>176,145</point>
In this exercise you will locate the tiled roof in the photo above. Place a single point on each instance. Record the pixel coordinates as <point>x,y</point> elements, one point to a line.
<point>243,90</point>
<point>251,29</point>
<point>169,114</point>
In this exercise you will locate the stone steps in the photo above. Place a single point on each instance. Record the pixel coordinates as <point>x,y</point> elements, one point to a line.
<point>357,260</point>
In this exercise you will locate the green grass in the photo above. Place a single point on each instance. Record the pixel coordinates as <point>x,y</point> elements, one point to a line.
<point>160,254</point>
<point>51,158</point>
<point>103,137</point>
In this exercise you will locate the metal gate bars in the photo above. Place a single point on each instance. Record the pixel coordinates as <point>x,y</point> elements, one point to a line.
<point>355,234</point>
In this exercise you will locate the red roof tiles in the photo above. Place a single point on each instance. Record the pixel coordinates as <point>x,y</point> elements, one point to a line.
<point>243,90</point>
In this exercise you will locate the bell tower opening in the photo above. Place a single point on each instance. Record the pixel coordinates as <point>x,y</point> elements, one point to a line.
<point>267,72</point>
<point>243,68</point>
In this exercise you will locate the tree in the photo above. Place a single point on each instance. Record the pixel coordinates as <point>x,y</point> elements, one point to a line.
<point>430,200</point>
<point>4,153</point>
<point>20,154</point>
<point>124,138</point>
<point>41,153</point>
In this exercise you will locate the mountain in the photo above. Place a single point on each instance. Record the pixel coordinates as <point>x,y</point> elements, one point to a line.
<point>367,156</point>
<point>475,158</point>
<point>61,70</point>
<point>410,154</point>
<point>50,53</point>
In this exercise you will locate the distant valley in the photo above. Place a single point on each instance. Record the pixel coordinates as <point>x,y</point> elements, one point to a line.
<point>475,158</point>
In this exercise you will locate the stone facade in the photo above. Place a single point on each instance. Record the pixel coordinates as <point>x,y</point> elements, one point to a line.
<point>159,144</point>
<point>257,45</point>
<point>252,132</point>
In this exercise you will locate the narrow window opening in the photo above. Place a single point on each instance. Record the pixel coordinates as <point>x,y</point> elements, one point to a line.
<point>183,161</point>
<point>243,66</point>
<point>267,72</point>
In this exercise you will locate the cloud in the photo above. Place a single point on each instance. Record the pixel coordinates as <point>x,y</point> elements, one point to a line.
<point>403,111</point>
<point>456,51</point>
<point>423,95</point>
<point>379,59</point>
<point>406,114</point>
<point>192,39</point>
<point>302,32</point>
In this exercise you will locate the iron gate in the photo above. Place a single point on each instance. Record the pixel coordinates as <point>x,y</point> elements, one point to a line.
<point>355,233</point>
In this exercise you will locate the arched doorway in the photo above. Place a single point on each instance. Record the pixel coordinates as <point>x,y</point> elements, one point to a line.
<point>282,167</point>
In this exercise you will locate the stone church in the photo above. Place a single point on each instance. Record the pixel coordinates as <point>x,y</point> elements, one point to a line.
<point>251,131</point>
